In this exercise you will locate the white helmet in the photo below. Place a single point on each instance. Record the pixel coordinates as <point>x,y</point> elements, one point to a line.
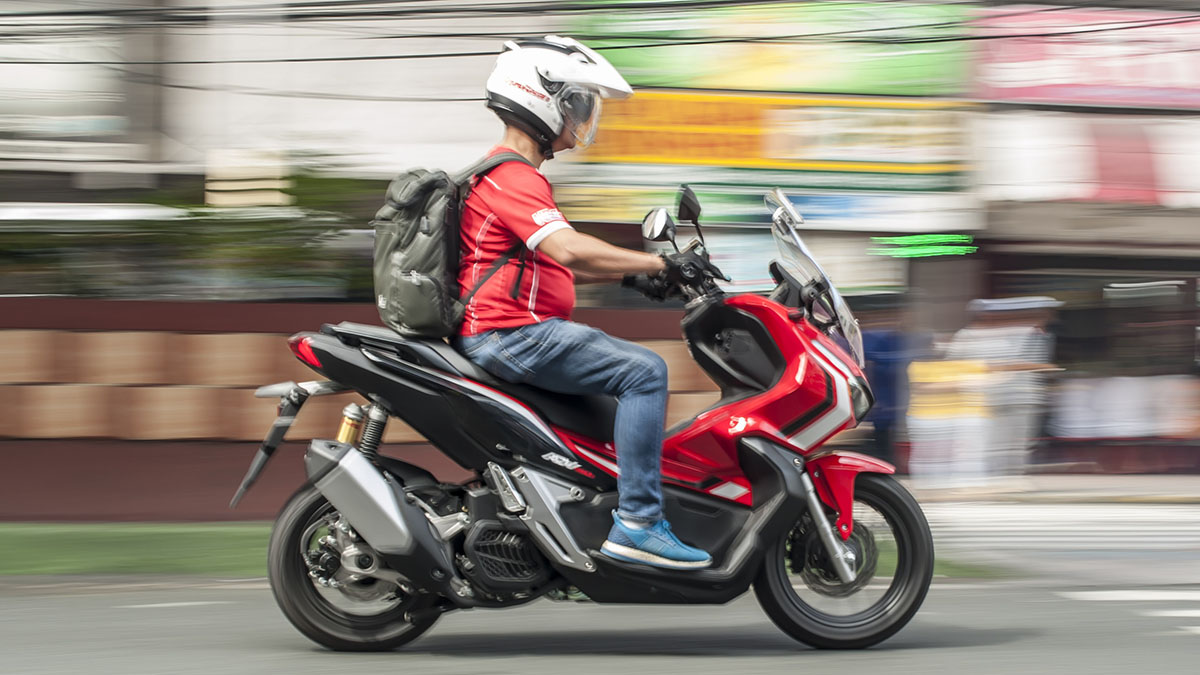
<point>544,85</point>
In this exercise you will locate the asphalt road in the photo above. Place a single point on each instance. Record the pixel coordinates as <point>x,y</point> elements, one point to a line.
<point>1101,589</point>
<point>234,628</point>
<point>1097,544</point>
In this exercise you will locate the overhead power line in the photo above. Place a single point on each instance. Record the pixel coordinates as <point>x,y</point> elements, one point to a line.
<point>1150,23</point>
<point>359,9</point>
<point>145,78</point>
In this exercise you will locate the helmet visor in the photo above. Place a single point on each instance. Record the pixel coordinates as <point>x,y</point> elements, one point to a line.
<point>580,110</point>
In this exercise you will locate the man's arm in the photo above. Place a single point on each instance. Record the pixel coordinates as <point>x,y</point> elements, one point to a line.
<point>582,277</point>
<point>594,257</point>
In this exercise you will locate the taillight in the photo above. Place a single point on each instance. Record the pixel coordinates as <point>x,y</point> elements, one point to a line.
<point>302,347</point>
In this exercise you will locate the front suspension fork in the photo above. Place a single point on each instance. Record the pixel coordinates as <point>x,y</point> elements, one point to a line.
<point>840,554</point>
<point>836,472</point>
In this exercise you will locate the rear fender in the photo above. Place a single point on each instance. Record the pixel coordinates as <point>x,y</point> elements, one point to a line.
<point>834,475</point>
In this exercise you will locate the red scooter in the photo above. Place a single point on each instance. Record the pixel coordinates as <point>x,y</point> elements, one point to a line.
<point>372,550</point>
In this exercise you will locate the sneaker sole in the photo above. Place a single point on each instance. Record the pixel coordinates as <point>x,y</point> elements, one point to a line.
<point>634,555</point>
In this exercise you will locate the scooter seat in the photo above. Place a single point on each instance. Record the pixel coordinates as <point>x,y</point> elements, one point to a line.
<point>592,416</point>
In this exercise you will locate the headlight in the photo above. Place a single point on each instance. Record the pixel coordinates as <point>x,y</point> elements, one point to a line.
<point>861,398</point>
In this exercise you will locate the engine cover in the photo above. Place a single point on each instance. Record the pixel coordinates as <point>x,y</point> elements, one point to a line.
<point>503,561</point>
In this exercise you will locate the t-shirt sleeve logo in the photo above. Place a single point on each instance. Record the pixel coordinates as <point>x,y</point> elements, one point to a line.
<point>547,216</point>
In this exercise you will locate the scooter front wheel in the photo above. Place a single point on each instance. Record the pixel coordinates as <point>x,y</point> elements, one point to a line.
<point>893,563</point>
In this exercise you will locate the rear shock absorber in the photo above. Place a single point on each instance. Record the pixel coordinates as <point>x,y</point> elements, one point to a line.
<point>352,424</point>
<point>377,419</point>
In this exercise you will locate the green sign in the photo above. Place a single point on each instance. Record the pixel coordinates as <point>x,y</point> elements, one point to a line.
<point>925,245</point>
<point>822,47</point>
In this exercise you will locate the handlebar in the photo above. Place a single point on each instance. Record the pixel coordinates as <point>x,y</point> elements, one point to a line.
<point>695,279</point>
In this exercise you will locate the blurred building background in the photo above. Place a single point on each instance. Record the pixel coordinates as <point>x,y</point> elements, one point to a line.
<point>181,181</point>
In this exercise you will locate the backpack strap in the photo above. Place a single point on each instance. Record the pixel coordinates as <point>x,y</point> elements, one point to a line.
<point>500,262</point>
<point>516,287</point>
<point>481,168</point>
<point>486,164</point>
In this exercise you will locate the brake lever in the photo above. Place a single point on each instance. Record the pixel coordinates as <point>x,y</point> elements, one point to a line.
<point>716,271</point>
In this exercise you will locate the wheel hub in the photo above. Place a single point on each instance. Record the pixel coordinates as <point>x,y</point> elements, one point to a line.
<point>808,558</point>
<point>328,573</point>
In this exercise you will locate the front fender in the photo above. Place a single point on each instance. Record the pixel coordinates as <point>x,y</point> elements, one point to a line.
<point>834,475</point>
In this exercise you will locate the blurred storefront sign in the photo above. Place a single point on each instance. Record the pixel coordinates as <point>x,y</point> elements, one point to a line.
<point>845,143</point>
<point>857,166</point>
<point>1106,57</point>
<point>1157,406</point>
<point>733,205</point>
<point>842,48</point>
<point>59,113</point>
<point>851,260</point>
<point>1048,156</point>
<point>836,227</point>
<point>1089,230</point>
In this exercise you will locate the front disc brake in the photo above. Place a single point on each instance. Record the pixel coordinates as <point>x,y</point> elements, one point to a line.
<point>808,558</point>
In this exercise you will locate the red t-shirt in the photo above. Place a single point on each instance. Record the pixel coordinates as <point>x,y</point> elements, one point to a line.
<point>512,204</point>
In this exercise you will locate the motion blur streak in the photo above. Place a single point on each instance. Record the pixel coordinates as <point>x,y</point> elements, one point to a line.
<point>1007,195</point>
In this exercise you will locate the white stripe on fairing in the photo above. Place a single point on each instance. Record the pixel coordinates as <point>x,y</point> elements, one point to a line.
<point>514,406</point>
<point>835,361</point>
<point>487,222</point>
<point>598,460</point>
<point>829,422</point>
<point>503,400</point>
<point>728,490</point>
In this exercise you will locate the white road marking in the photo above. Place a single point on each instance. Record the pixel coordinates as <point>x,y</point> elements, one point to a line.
<point>1174,613</point>
<point>177,604</point>
<point>1190,630</point>
<point>1132,596</point>
<point>883,585</point>
<point>1031,529</point>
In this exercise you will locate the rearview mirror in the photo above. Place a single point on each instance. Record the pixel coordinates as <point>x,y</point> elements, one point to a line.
<point>689,205</point>
<point>658,226</point>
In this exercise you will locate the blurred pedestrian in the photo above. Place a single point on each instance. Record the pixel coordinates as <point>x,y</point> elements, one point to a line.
<point>1009,336</point>
<point>887,355</point>
<point>947,418</point>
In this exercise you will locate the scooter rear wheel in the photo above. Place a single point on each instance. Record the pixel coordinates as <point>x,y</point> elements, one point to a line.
<point>367,615</point>
<point>799,590</point>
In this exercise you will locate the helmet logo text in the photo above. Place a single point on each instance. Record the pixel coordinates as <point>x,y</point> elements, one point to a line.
<point>529,90</point>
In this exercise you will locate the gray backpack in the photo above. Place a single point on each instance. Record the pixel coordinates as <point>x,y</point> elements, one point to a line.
<point>417,250</point>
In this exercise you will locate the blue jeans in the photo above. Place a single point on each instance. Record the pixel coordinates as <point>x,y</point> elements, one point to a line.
<point>571,358</point>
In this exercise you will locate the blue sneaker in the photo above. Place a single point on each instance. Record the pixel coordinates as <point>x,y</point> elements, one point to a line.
<point>653,545</point>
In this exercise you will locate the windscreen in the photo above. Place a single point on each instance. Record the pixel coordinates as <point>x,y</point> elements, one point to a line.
<point>829,310</point>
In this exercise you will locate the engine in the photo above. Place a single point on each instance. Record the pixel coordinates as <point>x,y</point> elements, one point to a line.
<point>500,561</point>
<point>497,554</point>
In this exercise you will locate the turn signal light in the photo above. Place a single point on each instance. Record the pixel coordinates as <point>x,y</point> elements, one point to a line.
<point>301,346</point>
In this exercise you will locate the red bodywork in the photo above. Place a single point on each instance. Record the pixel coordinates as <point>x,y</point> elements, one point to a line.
<point>807,406</point>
